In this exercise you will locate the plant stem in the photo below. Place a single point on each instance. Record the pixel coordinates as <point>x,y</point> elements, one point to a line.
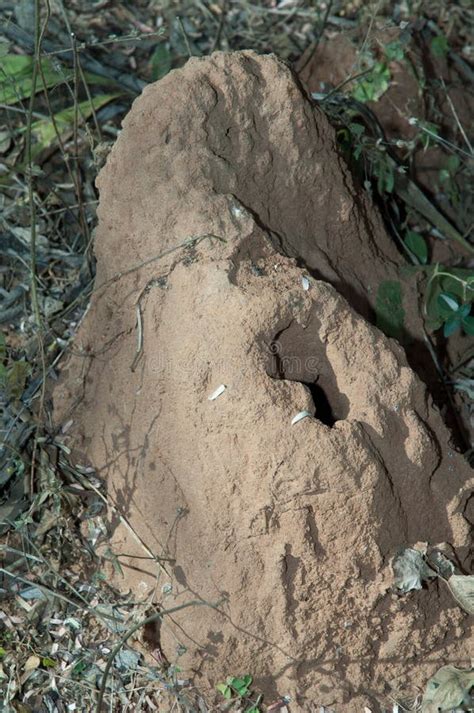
<point>29,159</point>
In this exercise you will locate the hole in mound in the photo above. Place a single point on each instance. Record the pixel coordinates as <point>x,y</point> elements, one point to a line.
<point>323,409</point>
<point>297,354</point>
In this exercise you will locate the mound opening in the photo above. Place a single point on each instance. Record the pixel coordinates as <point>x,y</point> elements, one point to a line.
<point>297,354</point>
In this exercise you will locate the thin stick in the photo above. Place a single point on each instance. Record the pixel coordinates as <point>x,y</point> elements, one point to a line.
<point>77,60</point>
<point>39,33</point>
<point>194,240</point>
<point>460,126</point>
<point>186,41</point>
<point>29,158</point>
<point>82,214</point>
<point>109,502</point>
<point>139,337</point>
<point>369,30</point>
<point>220,27</point>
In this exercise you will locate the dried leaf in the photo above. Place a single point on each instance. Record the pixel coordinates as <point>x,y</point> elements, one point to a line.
<point>410,570</point>
<point>462,589</point>
<point>446,689</point>
<point>443,565</point>
<point>127,660</point>
<point>31,663</point>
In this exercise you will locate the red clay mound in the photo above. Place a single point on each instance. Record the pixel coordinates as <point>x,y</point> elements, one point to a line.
<point>290,526</point>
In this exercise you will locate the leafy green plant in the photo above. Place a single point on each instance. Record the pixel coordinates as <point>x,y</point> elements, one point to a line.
<point>416,245</point>
<point>372,154</point>
<point>395,51</point>
<point>428,133</point>
<point>448,300</point>
<point>454,314</point>
<point>374,84</point>
<point>238,688</point>
<point>450,291</point>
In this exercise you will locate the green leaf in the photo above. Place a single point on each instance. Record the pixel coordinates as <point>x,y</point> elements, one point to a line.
<point>386,178</point>
<point>468,325</point>
<point>456,281</point>
<point>225,690</point>
<point>389,308</point>
<point>451,325</point>
<point>241,685</point>
<point>356,129</point>
<point>449,303</point>
<point>344,139</point>
<point>439,46</point>
<point>444,175</point>
<point>2,651</point>
<point>79,668</point>
<point>48,663</point>
<point>374,84</point>
<point>160,61</point>
<point>464,311</point>
<point>44,132</point>
<point>16,75</point>
<point>394,51</point>
<point>453,163</point>
<point>416,244</point>
<point>428,132</point>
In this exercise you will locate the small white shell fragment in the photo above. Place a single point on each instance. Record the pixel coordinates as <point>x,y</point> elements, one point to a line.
<point>237,211</point>
<point>67,426</point>
<point>305,282</point>
<point>299,417</point>
<point>220,390</point>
